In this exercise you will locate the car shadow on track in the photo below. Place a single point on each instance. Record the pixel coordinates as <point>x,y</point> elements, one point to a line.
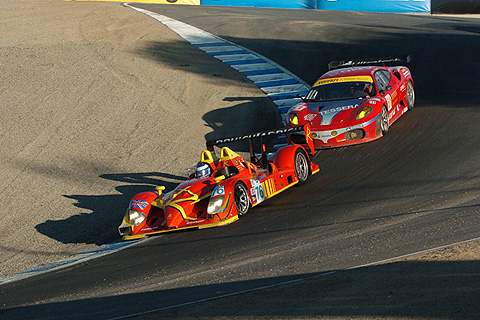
<point>402,289</point>
<point>98,225</point>
<point>252,114</point>
<point>106,210</point>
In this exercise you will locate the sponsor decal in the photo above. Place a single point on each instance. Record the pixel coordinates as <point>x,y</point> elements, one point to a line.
<point>257,135</point>
<point>195,222</point>
<point>337,109</point>
<point>405,72</point>
<point>309,117</point>
<point>322,82</point>
<point>392,114</point>
<point>299,107</point>
<point>403,87</point>
<point>138,204</point>
<point>389,101</point>
<point>323,135</point>
<point>395,111</point>
<point>355,63</point>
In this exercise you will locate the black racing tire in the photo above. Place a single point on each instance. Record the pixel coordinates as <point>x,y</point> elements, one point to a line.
<point>410,95</point>
<point>302,166</point>
<point>242,200</point>
<point>384,120</point>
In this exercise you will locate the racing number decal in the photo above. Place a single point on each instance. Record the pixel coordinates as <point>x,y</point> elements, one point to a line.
<point>257,192</point>
<point>218,191</point>
<point>389,101</point>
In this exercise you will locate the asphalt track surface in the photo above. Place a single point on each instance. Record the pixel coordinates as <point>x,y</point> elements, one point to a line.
<point>416,188</point>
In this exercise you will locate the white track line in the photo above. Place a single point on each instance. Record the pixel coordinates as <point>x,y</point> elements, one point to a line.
<point>78,258</point>
<point>284,283</point>
<point>266,74</point>
<point>279,84</point>
<point>203,40</point>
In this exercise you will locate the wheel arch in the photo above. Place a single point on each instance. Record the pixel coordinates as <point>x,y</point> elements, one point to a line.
<point>285,157</point>
<point>247,187</point>
<point>230,185</point>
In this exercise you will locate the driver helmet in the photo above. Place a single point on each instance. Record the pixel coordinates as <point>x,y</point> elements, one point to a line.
<point>202,170</point>
<point>368,88</point>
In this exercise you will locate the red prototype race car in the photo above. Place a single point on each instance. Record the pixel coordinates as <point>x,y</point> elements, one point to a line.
<point>355,102</point>
<point>221,188</point>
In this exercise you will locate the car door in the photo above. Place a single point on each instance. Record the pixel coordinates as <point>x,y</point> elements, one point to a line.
<point>388,87</point>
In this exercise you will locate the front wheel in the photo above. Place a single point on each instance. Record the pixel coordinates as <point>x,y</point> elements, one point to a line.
<point>301,166</point>
<point>384,120</point>
<point>242,201</point>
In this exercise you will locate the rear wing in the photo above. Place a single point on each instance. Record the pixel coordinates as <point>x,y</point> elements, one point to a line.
<point>262,135</point>
<point>387,61</point>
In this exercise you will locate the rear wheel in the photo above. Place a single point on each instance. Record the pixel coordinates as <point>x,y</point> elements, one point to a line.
<point>410,95</point>
<point>384,120</point>
<point>242,201</point>
<point>301,166</point>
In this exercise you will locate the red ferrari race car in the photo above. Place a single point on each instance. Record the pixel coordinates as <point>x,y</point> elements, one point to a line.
<point>221,189</point>
<point>355,102</point>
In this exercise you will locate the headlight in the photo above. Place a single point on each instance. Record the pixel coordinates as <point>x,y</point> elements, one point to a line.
<point>215,204</point>
<point>136,217</point>
<point>293,118</point>
<point>363,113</point>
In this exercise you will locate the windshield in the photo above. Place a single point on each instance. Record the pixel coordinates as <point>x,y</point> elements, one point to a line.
<point>341,89</point>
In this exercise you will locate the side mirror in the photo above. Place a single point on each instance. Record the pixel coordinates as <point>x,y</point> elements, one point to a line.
<point>299,96</point>
<point>388,88</point>
<point>160,189</point>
